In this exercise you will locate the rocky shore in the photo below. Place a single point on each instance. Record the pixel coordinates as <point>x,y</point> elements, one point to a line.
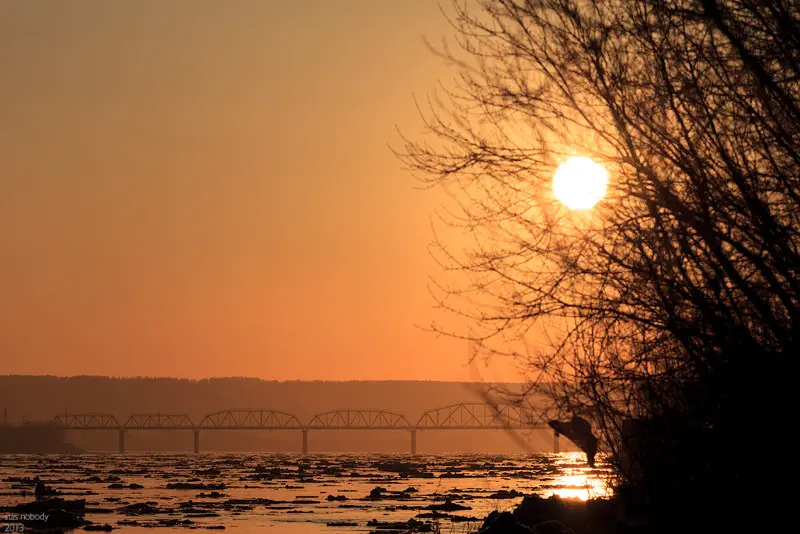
<point>554,515</point>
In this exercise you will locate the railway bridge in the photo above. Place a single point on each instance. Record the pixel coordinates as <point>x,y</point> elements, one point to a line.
<point>462,416</point>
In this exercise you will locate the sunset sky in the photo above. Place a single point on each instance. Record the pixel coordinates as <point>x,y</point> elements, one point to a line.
<point>204,188</point>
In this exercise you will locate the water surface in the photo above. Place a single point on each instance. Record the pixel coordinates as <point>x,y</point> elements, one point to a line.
<point>297,494</point>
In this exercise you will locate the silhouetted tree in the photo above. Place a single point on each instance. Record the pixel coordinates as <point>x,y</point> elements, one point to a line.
<point>672,308</point>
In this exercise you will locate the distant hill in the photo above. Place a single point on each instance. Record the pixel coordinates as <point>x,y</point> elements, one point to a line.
<point>41,397</point>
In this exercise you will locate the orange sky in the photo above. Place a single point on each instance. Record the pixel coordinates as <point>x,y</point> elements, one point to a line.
<point>203,188</point>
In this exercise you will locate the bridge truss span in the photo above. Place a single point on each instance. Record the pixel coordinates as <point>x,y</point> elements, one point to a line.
<point>359,420</point>
<point>87,421</point>
<point>462,416</point>
<point>251,420</point>
<point>159,421</point>
<point>481,415</point>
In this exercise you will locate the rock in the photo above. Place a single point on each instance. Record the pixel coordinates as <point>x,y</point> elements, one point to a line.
<point>410,525</point>
<point>447,506</point>
<point>503,523</point>
<point>135,486</point>
<point>534,509</point>
<point>175,522</point>
<point>194,486</point>
<point>98,510</point>
<point>330,498</point>
<point>551,514</point>
<point>63,519</point>
<point>43,491</point>
<point>331,471</point>
<point>463,519</point>
<point>376,493</point>
<point>505,494</point>
<point>251,502</point>
<point>101,528</point>
<point>341,524</point>
<point>139,508</point>
<point>55,503</point>
<point>434,515</point>
<point>398,467</point>
<point>208,472</point>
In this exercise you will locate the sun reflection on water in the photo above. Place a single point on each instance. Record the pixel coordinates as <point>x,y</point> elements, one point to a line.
<point>578,480</point>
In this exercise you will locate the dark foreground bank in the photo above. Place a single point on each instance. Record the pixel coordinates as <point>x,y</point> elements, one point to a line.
<point>554,515</point>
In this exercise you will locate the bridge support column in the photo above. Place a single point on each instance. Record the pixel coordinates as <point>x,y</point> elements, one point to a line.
<point>196,440</point>
<point>555,442</point>
<point>305,442</point>
<point>121,440</point>
<point>413,441</point>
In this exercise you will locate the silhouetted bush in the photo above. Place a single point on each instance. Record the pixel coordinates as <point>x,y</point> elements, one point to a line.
<point>669,314</point>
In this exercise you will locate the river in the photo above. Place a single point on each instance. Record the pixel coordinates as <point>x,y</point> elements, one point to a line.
<point>298,494</point>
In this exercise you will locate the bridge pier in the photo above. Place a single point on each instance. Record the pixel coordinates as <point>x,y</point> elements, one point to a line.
<point>121,440</point>
<point>555,442</point>
<point>196,440</point>
<point>305,442</point>
<point>413,441</point>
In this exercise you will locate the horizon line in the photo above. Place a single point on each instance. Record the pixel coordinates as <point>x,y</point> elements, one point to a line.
<point>240,377</point>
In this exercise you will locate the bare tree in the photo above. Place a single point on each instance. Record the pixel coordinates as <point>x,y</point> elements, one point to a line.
<point>672,308</point>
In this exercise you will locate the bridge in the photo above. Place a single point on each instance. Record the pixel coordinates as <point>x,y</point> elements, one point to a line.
<point>462,416</point>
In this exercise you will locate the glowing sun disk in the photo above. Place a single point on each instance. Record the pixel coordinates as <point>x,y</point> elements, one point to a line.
<point>580,183</point>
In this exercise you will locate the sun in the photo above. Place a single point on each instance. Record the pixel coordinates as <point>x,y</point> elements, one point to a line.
<point>580,183</point>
